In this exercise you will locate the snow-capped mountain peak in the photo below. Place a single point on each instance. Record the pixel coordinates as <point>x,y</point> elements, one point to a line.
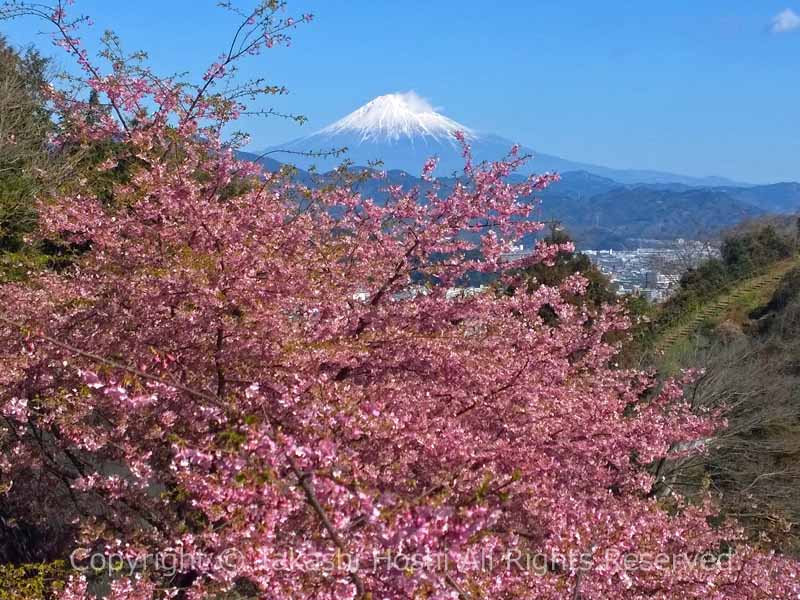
<point>403,130</point>
<point>395,116</point>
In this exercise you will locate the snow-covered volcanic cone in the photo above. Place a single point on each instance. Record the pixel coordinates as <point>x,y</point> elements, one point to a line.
<point>403,130</point>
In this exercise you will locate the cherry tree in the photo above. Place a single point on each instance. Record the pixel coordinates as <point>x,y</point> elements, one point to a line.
<point>273,382</point>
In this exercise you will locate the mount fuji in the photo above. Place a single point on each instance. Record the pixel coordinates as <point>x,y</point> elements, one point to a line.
<point>403,130</point>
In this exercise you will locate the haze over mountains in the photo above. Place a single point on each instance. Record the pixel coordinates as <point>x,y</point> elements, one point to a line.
<point>403,130</point>
<point>601,206</point>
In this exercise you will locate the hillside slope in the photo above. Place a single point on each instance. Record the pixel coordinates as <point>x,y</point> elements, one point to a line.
<point>755,290</point>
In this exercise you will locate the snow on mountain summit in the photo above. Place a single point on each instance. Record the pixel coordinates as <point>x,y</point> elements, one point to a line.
<point>393,116</point>
<point>403,130</point>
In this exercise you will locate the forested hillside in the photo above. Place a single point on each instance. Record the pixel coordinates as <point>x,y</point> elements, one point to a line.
<point>750,373</point>
<point>601,213</point>
<point>24,128</point>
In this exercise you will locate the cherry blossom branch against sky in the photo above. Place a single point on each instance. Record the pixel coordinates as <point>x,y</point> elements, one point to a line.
<point>627,85</point>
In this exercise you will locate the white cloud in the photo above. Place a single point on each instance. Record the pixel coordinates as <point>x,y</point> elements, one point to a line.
<point>416,102</point>
<point>785,21</point>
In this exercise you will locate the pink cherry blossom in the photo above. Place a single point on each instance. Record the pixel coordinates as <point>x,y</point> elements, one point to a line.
<point>253,372</point>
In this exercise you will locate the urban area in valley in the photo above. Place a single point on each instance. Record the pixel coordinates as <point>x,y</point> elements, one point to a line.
<point>653,269</point>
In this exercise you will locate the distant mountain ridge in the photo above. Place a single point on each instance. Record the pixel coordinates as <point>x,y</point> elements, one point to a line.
<point>602,213</point>
<point>602,207</point>
<point>402,130</point>
<point>612,219</point>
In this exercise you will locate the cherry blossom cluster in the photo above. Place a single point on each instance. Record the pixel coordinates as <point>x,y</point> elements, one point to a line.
<point>234,363</point>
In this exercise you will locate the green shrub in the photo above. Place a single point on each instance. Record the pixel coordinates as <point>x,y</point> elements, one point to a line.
<point>36,581</point>
<point>742,255</point>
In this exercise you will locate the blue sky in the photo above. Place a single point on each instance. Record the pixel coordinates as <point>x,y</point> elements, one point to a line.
<point>692,87</point>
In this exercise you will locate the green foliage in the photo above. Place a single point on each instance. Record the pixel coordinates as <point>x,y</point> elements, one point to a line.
<point>24,127</point>
<point>782,302</point>
<point>742,255</point>
<point>31,168</point>
<point>787,291</point>
<point>599,291</point>
<point>15,266</point>
<point>36,581</point>
<point>752,376</point>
